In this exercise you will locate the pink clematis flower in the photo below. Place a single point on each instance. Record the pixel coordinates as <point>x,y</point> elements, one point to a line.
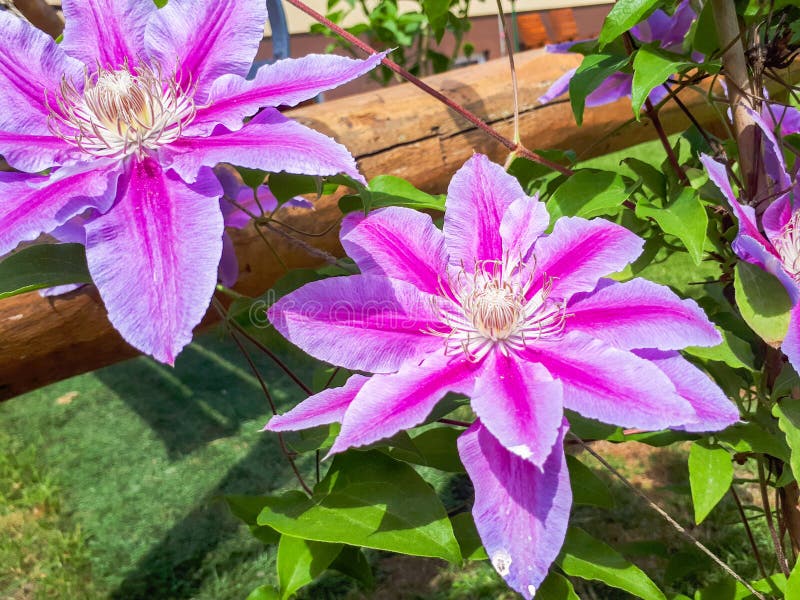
<point>524,324</point>
<point>775,246</point>
<point>129,114</point>
<point>668,31</point>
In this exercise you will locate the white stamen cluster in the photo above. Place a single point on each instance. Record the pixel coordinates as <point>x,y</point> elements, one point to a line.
<point>122,112</point>
<point>492,308</point>
<point>788,246</point>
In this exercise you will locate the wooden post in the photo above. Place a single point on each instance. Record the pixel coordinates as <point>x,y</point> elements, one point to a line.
<point>398,131</point>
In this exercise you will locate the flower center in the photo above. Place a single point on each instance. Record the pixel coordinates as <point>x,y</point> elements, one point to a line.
<point>788,246</point>
<point>491,307</point>
<point>118,113</point>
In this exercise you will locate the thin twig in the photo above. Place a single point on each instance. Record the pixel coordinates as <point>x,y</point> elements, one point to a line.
<point>762,485</point>
<point>675,525</point>
<point>748,531</point>
<point>519,149</point>
<point>454,422</point>
<point>510,51</point>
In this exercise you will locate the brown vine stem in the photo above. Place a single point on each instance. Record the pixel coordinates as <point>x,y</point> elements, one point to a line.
<point>749,532</point>
<point>517,148</point>
<point>762,484</point>
<point>673,523</point>
<point>514,86</point>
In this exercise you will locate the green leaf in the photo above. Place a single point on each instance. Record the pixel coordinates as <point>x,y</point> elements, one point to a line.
<point>587,488</point>
<point>592,72</point>
<point>755,437</point>
<point>710,476</point>
<point>468,538</point>
<point>651,67</point>
<point>264,592</point>
<point>624,15</point>
<point>788,415</point>
<point>247,508</point>
<point>793,583</point>
<point>733,351</point>
<point>588,558</point>
<point>785,382</point>
<point>301,561</point>
<point>588,193</point>
<point>435,447</point>
<point>352,562</point>
<point>651,178</point>
<point>705,38</point>
<point>556,587</point>
<point>763,302</point>
<point>368,499</point>
<point>43,266</point>
<point>388,190</point>
<point>685,218</point>
<point>729,589</point>
<point>436,11</point>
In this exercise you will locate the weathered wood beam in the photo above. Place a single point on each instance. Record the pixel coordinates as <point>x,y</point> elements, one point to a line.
<point>398,131</point>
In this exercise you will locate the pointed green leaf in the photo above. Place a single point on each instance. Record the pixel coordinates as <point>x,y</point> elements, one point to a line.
<point>434,447</point>
<point>651,68</point>
<point>467,536</point>
<point>793,583</point>
<point>710,476</point>
<point>587,488</point>
<point>264,592</point>
<point>788,414</point>
<point>43,266</point>
<point>592,72</point>
<point>352,562</point>
<point>763,302</point>
<point>556,587</point>
<point>624,15</point>
<point>685,218</point>
<point>733,351</point>
<point>588,193</point>
<point>588,558</point>
<point>301,561</point>
<point>368,499</point>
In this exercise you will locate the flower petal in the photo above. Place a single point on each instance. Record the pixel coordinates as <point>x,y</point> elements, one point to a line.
<point>360,322</point>
<point>521,511</point>
<point>31,68</point>
<point>642,314</point>
<point>270,142</point>
<point>323,408</point>
<point>791,343</point>
<point>228,270</point>
<point>391,403</point>
<point>520,403</point>
<point>777,216</point>
<point>478,197</point>
<point>154,257</point>
<point>713,410</point>
<point>106,33</point>
<point>35,153</point>
<point>284,83</point>
<point>399,243</point>
<point>612,89</point>
<point>32,204</point>
<point>612,385</point>
<point>579,252</point>
<point>561,85</point>
<point>522,224</point>
<point>772,150</point>
<point>207,38</point>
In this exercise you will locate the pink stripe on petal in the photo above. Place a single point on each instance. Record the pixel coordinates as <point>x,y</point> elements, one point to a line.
<point>520,403</point>
<point>360,322</point>
<point>642,314</point>
<point>522,224</point>
<point>207,38</point>
<point>270,142</point>
<point>31,68</point>
<point>284,83</point>
<point>399,243</point>
<point>33,204</point>
<point>579,252</point>
<point>477,198</point>
<point>106,32</point>
<point>323,408</point>
<point>154,257</point>
<point>35,153</point>
<point>713,410</point>
<point>398,401</point>
<point>521,511</point>
<point>612,385</point>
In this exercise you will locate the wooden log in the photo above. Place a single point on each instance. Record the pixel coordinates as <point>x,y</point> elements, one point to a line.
<point>400,131</point>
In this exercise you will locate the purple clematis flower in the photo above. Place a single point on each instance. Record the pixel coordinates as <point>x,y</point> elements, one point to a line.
<point>669,31</point>
<point>775,246</point>
<point>523,323</point>
<point>129,114</point>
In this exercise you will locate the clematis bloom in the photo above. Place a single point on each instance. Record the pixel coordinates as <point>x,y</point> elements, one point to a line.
<point>128,114</point>
<point>523,323</point>
<point>668,31</point>
<point>775,246</point>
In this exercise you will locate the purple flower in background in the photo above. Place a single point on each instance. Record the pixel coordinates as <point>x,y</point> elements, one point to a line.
<point>777,249</point>
<point>129,114</point>
<point>523,323</point>
<point>669,31</point>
